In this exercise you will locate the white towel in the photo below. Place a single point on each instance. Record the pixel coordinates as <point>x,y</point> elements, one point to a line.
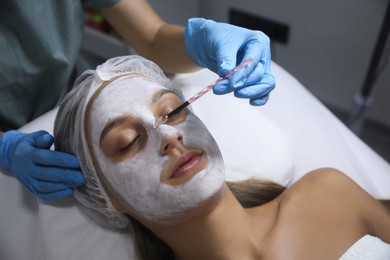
<point>367,248</point>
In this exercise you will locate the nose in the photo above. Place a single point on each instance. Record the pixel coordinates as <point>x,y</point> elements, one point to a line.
<point>169,142</point>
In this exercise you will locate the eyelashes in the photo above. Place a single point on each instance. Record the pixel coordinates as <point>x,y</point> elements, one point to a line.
<point>127,147</point>
<point>133,145</point>
<point>177,118</point>
<point>137,141</point>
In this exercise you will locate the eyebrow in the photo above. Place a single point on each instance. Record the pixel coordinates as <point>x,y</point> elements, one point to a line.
<point>112,124</point>
<point>156,96</point>
<point>120,120</point>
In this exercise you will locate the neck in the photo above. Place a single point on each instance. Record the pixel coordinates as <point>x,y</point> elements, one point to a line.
<point>226,231</point>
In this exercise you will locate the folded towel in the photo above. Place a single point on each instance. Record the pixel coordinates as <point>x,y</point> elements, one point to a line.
<point>367,248</point>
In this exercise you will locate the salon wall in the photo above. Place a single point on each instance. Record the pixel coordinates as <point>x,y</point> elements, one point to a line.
<point>329,48</point>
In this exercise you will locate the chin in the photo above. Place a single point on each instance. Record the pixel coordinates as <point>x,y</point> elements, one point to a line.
<point>203,208</point>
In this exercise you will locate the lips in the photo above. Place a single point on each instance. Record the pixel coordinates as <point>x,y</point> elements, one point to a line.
<point>186,164</point>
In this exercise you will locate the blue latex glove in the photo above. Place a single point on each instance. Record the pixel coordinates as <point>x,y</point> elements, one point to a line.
<point>220,47</point>
<point>50,175</point>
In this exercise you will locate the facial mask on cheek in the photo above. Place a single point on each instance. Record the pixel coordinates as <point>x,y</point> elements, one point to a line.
<point>138,180</point>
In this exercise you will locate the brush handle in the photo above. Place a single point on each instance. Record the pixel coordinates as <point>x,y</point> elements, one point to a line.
<point>209,87</point>
<point>203,91</point>
<point>206,89</point>
<point>178,109</point>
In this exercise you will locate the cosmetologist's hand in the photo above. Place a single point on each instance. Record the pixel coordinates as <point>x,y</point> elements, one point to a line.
<point>220,47</point>
<point>50,175</point>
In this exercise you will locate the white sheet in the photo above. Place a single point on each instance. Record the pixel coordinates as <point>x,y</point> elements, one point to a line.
<point>292,134</point>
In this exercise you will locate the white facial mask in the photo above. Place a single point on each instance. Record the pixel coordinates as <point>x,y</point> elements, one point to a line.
<point>138,179</point>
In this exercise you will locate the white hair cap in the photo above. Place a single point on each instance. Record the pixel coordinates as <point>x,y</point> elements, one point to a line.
<point>70,136</point>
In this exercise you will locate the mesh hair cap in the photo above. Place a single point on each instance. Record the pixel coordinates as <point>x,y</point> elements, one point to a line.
<point>70,136</point>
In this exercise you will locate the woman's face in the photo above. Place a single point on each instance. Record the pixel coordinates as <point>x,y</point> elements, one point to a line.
<point>160,174</point>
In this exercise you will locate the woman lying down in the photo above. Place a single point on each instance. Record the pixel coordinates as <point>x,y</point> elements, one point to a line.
<point>167,184</point>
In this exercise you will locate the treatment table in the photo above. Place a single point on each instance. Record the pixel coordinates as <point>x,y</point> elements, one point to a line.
<point>281,141</point>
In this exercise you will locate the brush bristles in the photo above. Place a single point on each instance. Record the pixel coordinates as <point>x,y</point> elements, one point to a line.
<point>160,120</point>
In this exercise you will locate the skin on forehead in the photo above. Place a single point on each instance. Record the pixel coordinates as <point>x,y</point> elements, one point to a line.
<point>125,112</point>
<point>94,97</point>
<point>90,103</point>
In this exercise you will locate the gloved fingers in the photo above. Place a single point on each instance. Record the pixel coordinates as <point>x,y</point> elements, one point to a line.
<point>69,177</point>
<point>26,182</point>
<point>252,72</point>
<point>55,158</point>
<point>41,139</point>
<point>226,59</point>
<point>256,48</point>
<point>222,87</point>
<point>257,90</point>
<point>46,190</point>
<point>257,84</point>
<point>56,195</point>
<point>259,101</point>
<point>41,186</point>
<point>255,77</point>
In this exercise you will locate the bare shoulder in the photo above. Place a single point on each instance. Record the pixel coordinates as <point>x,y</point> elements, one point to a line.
<point>334,185</point>
<point>325,187</point>
<point>331,188</point>
<point>327,181</point>
<point>327,176</point>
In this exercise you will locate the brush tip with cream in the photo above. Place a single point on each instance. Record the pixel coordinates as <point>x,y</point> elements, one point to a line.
<point>160,120</point>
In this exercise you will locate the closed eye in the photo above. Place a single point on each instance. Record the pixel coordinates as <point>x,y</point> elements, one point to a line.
<point>166,102</point>
<point>177,116</point>
<point>129,145</point>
